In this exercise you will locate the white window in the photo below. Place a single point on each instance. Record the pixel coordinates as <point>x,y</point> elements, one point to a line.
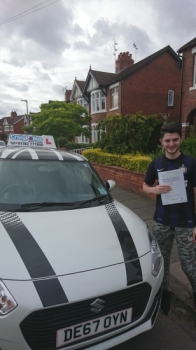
<point>194,71</point>
<point>170,101</point>
<point>83,102</point>
<point>82,138</point>
<point>94,133</point>
<point>114,97</point>
<point>6,128</point>
<point>11,128</point>
<point>98,101</point>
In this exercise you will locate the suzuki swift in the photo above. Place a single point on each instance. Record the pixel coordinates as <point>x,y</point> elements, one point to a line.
<point>78,269</point>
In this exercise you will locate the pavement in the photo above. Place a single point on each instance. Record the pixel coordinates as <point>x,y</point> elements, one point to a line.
<point>144,207</point>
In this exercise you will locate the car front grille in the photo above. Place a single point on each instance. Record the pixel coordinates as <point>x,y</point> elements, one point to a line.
<point>39,328</point>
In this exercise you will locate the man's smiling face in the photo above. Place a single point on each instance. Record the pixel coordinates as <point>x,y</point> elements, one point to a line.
<point>171,144</point>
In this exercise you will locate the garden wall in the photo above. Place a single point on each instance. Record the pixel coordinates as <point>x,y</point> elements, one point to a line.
<point>125,178</point>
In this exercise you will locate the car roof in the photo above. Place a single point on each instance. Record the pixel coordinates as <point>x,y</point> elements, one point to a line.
<point>38,153</point>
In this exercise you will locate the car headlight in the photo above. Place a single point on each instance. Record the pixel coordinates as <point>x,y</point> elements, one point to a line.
<point>156,255</point>
<point>7,302</point>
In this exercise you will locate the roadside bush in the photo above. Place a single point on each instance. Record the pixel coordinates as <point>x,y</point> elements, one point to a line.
<point>188,146</point>
<point>135,162</point>
<point>122,134</point>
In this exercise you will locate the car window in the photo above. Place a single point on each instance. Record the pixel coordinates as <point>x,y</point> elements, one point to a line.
<point>28,181</point>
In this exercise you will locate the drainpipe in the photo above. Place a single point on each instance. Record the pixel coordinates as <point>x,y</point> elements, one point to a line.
<point>181,92</point>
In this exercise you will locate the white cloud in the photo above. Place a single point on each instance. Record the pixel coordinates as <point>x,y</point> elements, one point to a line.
<point>43,52</point>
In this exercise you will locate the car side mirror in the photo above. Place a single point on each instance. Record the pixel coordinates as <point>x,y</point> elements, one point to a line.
<point>110,184</point>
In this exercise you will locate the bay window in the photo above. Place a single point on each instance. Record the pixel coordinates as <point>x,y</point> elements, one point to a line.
<point>193,87</point>
<point>114,96</point>
<point>98,101</point>
<point>194,71</point>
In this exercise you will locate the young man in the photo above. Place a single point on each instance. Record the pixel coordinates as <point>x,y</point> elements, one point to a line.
<point>174,220</point>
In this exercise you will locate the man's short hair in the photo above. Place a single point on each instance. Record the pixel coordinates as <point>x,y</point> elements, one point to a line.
<point>171,128</point>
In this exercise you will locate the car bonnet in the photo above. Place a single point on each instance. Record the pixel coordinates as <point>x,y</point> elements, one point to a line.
<point>43,244</point>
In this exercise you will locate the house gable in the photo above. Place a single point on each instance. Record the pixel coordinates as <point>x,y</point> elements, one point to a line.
<point>5,122</point>
<point>77,90</point>
<point>187,45</point>
<point>92,83</point>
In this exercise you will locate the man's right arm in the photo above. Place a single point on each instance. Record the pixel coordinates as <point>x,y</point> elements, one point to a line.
<point>159,189</point>
<point>151,177</point>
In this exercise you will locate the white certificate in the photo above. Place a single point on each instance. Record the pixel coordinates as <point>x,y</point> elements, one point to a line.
<point>175,179</point>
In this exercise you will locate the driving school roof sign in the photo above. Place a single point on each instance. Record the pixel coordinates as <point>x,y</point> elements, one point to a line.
<point>23,140</point>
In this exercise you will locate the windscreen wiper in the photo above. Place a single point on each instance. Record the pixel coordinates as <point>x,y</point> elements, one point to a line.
<point>34,206</point>
<point>94,199</point>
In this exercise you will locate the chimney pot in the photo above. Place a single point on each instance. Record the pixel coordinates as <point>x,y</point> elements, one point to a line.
<point>13,114</point>
<point>124,60</point>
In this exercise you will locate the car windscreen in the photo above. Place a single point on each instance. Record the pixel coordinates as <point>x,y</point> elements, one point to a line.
<point>35,181</point>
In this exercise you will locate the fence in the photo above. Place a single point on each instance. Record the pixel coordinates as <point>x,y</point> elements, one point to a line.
<point>79,150</point>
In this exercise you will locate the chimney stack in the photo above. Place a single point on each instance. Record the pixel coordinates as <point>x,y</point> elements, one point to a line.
<point>13,114</point>
<point>67,95</point>
<point>124,60</point>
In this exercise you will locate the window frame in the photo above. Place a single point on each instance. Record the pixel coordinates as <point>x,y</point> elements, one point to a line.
<point>94,133</point>
<point>98,102</point>
<point>193,87</point>
<point>194,71</point>
<point>82,102</point>
<point>112,88</point>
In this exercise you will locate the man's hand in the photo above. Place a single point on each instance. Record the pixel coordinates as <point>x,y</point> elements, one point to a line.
<point>194,235</point>
<point>160,189</point>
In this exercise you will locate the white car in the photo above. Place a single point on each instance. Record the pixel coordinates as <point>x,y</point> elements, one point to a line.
<point>2,144</point>
<point>78,269</point>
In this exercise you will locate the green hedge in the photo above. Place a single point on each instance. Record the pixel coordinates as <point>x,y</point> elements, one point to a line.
<point>133,162</point>
<point>188,146</point>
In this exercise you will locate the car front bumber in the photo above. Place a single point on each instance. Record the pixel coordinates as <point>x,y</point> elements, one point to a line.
<point>13,336</point>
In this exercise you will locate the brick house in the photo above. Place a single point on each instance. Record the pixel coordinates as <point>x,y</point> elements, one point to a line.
<point>188,87</point>
<point>151,85</point>
<point>76,94</point>
<point>12,125</point>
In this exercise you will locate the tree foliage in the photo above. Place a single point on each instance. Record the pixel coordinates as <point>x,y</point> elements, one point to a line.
<point>61,120</point>
<point>129,133</point>
<point>188,145</point>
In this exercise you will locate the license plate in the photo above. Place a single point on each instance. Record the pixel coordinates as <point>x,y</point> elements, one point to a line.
<point>83,330</point>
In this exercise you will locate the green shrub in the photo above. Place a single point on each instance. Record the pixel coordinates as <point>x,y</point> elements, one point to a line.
<point>121,134</point>
<point>188,146</point>
<point>135,162</point>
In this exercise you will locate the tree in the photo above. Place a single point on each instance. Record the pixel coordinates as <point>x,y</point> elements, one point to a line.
<point>60,119</point>
<point>129,133</point>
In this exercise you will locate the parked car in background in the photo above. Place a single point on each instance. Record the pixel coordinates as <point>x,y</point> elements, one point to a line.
<point>2,144</point>
<point>78,269</point>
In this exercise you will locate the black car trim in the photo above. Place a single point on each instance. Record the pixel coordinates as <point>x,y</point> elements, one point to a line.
<point>50,291</point>
<point>133,268</point>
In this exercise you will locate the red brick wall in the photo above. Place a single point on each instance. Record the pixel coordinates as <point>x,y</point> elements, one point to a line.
<point>128,179</point>
<point>188,97</point>
<point>18,127</point>
<point>97,117</point>
<point>147,89</point>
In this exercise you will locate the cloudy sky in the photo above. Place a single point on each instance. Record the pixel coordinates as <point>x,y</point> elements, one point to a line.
<point>45,44</point>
